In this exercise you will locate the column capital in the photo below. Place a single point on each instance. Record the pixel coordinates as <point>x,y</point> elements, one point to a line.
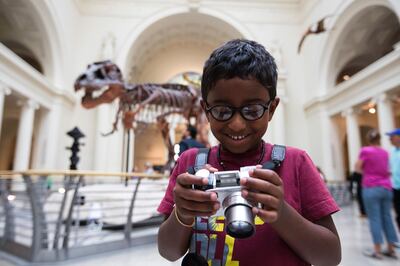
<point>194,5</point>
<point>348,112</point>
<point>31,104</point>
<point>4,89</point>
<point>381,98</point>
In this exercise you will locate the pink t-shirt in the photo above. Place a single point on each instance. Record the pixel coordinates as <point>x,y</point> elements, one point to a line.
<point>304,191</point>
<point>375,167</point>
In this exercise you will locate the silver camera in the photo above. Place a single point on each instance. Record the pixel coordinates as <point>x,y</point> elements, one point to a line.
<point>239,219</point>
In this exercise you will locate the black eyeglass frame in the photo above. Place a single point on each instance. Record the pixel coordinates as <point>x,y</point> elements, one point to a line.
<point>235,109</point>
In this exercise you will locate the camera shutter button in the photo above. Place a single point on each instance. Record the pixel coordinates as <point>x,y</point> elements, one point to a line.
<point>203,173</point>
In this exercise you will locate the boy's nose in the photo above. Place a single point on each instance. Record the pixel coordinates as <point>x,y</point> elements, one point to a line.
<point>237,122</point>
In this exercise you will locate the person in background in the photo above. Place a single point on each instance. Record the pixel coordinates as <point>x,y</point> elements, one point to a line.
<point>395,171</point>
<point>135,170</point>
<point>356,178</point>
<point>373,163</point>
<point>189,140</point>
<point>148,168</point>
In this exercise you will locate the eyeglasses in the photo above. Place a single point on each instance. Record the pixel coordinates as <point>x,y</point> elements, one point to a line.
<point>249,112</point>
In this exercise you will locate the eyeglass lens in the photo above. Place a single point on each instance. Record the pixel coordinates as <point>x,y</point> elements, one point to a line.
<point>248,112</point>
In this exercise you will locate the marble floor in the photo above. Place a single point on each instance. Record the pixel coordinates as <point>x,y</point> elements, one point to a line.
<point>353,231</point>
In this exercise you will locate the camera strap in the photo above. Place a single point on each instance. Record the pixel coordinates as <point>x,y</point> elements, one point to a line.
<point>277,156</point>
<point>200,161</point>
<point>192,258</point>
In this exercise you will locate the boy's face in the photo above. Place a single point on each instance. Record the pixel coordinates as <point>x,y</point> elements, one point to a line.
<point>237,134</point>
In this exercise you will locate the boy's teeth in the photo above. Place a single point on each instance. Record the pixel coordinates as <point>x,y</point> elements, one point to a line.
<point>237,137</point>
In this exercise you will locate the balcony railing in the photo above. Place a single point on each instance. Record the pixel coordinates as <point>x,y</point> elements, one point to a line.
<point>51,216</point>
<point>340,191</point>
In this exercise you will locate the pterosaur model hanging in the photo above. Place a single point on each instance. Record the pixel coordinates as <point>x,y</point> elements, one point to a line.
<point>316,28</point>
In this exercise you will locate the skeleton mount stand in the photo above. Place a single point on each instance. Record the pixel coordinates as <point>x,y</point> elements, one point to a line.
<point>76,134</point>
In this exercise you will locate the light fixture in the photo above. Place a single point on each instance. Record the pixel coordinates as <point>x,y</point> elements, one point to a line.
<point>11,197</point>
<point>176,148</point>
<point>61,190</point>
<point>372,110</point>
<point>370,106</point>
<point>346,77</point>
<point>176,151</point>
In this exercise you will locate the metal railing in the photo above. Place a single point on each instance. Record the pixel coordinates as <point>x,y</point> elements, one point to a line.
<point>55,215</point>
<point>340,191</point>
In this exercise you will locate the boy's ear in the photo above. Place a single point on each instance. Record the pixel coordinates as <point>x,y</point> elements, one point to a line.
<point>272,107</point>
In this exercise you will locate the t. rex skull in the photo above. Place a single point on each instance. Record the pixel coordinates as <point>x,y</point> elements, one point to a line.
<point>102,83</point>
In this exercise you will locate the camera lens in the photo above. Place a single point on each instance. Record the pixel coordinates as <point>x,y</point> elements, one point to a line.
<point>239,218</point>
<point>239,222</point>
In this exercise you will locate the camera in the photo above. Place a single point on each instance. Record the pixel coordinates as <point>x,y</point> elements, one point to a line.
<point>239,218</point>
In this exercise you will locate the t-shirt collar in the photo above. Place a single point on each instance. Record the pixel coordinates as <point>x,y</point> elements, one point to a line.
<point>248,158</point>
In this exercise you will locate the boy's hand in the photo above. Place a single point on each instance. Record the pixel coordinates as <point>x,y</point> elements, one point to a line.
<point>266,187</point>
<point>192,202</point>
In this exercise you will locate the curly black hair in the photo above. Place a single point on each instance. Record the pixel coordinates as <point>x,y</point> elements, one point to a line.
<point>240,58</point>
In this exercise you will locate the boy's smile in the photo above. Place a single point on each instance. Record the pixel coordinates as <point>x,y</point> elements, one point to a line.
<point>237,134</point>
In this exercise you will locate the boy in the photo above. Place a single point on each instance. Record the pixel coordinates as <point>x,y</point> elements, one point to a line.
<point>294,225</point>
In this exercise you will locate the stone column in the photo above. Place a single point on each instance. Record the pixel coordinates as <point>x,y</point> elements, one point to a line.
<point>353,136</point>
<point>128,153</point>
<point>278,123</point>
<point>337,151</point>
<point>172,129</point>
<point>328,140</point>
<point>4,91</point>
<point>24,137</point>
<point>385,118</point>
<point>102,143</point>
<point>52,130</point>
<point>39,140</point>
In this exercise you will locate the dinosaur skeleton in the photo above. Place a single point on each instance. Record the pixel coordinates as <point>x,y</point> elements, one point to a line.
<point>141,104</point>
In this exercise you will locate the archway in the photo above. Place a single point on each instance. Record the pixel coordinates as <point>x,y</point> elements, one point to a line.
<point>371,26</point>
<point>374,31</point>
<point>29,31</point>
<point>174,44</point>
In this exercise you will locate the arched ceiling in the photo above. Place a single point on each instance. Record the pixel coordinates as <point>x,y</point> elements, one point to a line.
<point>368,36</point>
<point>188,38</point>
<point>21,32</point>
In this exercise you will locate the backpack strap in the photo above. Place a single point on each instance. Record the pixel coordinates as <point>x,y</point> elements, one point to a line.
<point>200,161</point>
<point>277,156</point>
